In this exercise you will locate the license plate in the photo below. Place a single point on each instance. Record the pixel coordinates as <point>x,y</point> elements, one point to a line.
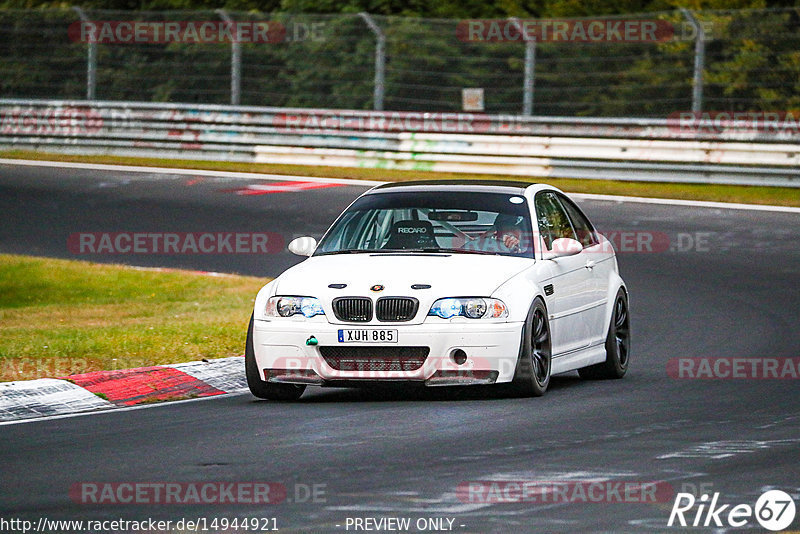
<point>367,335</point>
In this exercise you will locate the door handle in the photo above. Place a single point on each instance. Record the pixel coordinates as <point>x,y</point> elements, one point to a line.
<point>589,264</point>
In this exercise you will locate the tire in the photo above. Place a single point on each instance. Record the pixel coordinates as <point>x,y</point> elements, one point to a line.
<point>532,375</point>
<point>618,344</point>
<point>261,388</point>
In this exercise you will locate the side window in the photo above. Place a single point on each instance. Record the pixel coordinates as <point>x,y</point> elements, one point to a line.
<point>553,220</point>
<point>580,223</point>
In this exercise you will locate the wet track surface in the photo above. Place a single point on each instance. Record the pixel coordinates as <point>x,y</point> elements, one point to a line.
<point>727,285</point>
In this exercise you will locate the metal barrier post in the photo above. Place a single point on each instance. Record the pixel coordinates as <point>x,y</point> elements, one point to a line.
<point>699,61</point>
<point>530,69</point>
<point>236,62</point>
<point>380,60</point>
<point>91,58</point>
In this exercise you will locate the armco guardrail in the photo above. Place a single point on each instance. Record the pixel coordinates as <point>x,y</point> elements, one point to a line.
<point>617,149</point>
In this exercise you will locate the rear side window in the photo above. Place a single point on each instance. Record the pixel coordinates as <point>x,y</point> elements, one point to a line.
<point>552,219</point>
<point>583,228</point>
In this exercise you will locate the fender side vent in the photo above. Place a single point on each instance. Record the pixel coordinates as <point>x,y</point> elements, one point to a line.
<point>548,289</point>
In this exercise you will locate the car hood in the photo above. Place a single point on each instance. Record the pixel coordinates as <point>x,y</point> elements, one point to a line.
<point>449,275</point>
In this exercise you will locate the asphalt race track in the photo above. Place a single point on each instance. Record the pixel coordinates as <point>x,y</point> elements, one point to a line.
<point>727,284</point>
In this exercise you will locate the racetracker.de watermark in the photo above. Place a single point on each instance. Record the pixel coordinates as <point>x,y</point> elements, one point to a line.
<point>21,367</point>
<point>565,30</point>
<point>617,241</point>
<point>564,491</point>
<point>202,493</point>
<point>393,121</point>
<point>50,120</point>
<point>176,31</point>
<point>175,243</point>
<point>718,122</point>
<point>734,368</point>
<point>304,369</point>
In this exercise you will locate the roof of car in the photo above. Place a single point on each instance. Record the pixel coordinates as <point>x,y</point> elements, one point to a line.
<point>496,186</point>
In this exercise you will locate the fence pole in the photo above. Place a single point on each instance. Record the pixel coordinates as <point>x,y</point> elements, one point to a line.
<point>380,60</point>
<point>236,62</point>
<point>530,68</point>
<point>699,61</point>
<point>91,58</point>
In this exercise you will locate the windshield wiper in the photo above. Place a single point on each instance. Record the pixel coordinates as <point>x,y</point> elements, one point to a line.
<point>456,250</point>
<point>346,251</point>
<point>434,250</point>
<point>430,250</point>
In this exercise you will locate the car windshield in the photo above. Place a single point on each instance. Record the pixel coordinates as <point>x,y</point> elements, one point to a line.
<point>433,222</point>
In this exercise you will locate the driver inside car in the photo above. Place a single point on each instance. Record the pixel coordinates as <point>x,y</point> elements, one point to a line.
<point>505,235</point>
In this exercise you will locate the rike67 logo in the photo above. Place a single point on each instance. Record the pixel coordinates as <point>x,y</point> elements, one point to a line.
<point>774,510</point>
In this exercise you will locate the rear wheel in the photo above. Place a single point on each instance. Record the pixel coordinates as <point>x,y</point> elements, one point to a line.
<point>532,375</point>
<point>618,344</point>
<point>260,388</point>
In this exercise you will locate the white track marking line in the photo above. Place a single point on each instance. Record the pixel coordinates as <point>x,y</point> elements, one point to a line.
<point>372,183</point>
<point>189,172</point>
<point>689,203</point>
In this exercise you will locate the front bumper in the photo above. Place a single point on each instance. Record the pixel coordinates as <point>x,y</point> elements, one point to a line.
<point>491,351</point>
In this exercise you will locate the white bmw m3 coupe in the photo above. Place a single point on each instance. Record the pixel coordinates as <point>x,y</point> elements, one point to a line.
<point>444,283</point>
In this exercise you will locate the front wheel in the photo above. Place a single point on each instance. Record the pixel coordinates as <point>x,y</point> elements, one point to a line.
<point>260,388</point>
<point>618,344</point>
<point>532,375</point>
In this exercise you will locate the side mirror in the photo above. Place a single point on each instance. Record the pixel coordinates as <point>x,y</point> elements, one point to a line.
<point>302,246</point>
<point>562,247</point>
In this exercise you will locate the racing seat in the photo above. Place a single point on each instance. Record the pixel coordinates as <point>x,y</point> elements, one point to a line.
<point>411,234</point>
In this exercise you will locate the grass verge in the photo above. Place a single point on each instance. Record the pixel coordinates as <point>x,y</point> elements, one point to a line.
<point>776,196</point>
<point>62,317</point>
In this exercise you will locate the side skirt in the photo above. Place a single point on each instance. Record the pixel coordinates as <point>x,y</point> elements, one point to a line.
<point>575,360</point>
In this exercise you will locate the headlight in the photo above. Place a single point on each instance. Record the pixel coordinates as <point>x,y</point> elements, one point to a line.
<point>472,307</point>
<point>289,306</point>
